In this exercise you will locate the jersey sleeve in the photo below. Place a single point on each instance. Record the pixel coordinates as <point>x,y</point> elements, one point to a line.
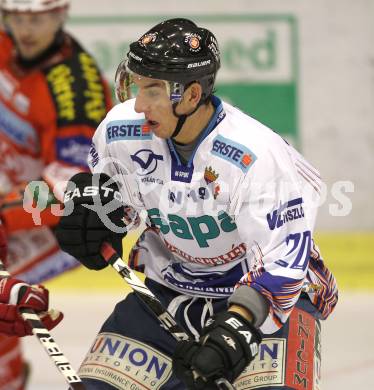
<point>321,285</point>
<point>276,222</point>
<point>98,158</point>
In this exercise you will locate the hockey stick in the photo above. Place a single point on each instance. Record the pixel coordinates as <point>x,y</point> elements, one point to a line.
<point>153,303</point>
<point>50,346</point>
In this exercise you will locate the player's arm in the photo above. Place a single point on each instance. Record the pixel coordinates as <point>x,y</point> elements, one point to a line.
<point>41,197</point>
<point>111,193</point>
<point>279,242</point>
<point>94,210</point>
<point>65,141</point>
<point>18,207</point>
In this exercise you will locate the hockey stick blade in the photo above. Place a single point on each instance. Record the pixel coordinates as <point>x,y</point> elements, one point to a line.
<point>48,343</point>
<point>152,302</point>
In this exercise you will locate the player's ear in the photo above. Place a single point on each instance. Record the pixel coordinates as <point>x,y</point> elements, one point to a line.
<point>193,94</point>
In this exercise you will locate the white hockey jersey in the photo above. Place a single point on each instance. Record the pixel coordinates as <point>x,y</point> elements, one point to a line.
<point>241,211</point>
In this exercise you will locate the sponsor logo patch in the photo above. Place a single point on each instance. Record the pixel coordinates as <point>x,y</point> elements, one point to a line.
<point>127,130</point>
<point>73,150</point>
<point>286,212</point>
<point>233,152</point>
<point>268,367</point>
<point>77,91</point>
<point>147,160</point>
<point>300,351</point>
<point>93,156</point>
<point>234,254</point>
<point>125,363</point>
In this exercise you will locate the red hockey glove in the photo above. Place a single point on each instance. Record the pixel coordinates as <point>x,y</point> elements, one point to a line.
<point>15,295</point>
<point>3,244</point>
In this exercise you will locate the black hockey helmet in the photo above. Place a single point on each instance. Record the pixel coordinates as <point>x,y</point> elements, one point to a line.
<point>178,51</point>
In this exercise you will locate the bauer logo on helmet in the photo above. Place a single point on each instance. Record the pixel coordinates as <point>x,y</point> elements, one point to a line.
<point>198,64</point>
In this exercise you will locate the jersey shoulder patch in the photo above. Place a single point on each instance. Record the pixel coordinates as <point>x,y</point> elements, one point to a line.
<point>77,89</point>
<point>233,152</point>
<point>135,129</point>
<point>123,123</point>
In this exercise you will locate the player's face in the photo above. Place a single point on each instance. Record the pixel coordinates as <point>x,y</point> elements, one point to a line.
<point>33,32</point>
<point>153,100</point>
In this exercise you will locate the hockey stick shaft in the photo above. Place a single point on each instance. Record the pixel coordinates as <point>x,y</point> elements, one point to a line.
<point>48,343</point>
<point>152,302</point>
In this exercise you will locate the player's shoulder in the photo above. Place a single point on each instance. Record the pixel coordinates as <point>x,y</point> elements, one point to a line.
<point>263,145</point>
<point>76,86</point>
<point>245,129</point>
<point>242,138</point>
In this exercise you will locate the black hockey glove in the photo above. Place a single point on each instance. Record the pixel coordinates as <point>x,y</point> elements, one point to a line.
<point>93,213</point>
<point>228,343</point>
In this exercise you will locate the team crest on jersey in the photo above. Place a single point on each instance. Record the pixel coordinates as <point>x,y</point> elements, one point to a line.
<point>127,130</point>
<point>233,152</point>
<point>210,176</point>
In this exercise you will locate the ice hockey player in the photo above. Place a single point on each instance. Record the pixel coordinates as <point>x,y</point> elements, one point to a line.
<point>228,247</point>
<point>52,98</point>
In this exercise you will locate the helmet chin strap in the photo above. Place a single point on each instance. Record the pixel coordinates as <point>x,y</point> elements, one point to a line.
<point>182,118</point>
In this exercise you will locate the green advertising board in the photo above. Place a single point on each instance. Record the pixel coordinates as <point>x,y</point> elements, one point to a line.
<point>259,72</point>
